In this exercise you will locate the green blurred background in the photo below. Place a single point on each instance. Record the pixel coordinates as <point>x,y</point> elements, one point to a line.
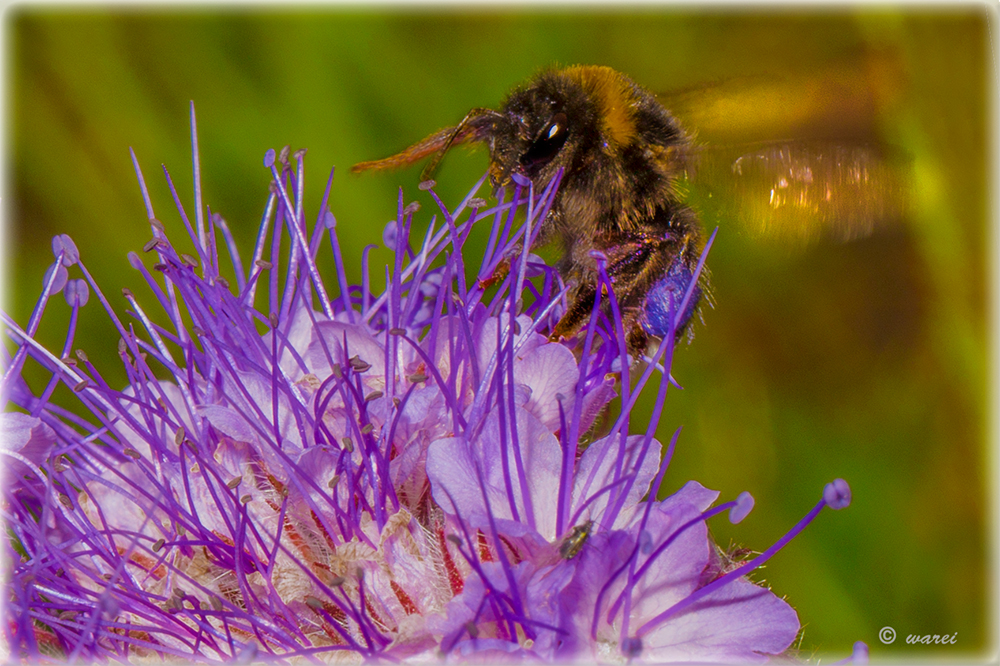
<point>867,360</point>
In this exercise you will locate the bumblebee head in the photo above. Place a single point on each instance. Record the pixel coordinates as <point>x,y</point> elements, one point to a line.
<point>542,127</point>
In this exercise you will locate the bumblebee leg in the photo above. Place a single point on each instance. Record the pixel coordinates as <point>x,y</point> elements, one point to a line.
<point>580,306</point>
<point>500,273</point>
<point>638,340</point>
<point>650,272</point>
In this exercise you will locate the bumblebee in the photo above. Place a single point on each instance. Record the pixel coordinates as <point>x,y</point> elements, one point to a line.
<point>623,156</point>
<point>621,153</point>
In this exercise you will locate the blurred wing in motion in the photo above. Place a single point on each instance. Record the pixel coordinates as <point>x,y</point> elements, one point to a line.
<point>835,180</point>
<point>801,191</point>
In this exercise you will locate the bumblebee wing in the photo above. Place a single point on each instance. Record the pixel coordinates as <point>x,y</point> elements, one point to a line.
<point>848,97</point>
<point>801,191</point>
<point>835,180</point>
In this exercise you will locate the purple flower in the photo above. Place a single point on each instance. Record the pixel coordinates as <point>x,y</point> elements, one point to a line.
<point>302,470</point>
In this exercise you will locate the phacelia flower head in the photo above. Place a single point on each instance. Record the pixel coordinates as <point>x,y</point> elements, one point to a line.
<point>300,468</point>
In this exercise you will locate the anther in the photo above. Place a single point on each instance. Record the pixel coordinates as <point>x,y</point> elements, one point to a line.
<point>837,494</point>
<point>519,179</point>
<point>358,365</point>
<point>742,508</point>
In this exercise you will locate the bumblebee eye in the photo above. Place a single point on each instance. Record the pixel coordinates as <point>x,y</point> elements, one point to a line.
<point>548,144</point>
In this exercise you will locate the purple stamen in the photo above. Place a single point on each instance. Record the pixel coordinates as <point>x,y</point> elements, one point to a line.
<point>199,216</point>
<point>834,491</point>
